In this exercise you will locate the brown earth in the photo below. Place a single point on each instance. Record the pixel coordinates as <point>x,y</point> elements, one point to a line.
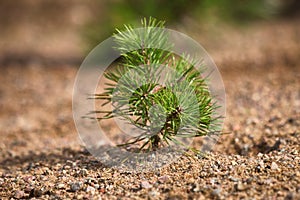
<point>258,157</point>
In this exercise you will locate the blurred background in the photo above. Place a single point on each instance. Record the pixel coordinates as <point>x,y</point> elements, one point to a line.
<point>43,42</point>
<point>66,31</point>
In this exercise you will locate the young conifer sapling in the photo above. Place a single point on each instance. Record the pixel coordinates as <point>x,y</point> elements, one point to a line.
<point>164,113</point>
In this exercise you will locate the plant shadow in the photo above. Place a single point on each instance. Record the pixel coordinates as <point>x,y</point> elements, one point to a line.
<point>82,158</point>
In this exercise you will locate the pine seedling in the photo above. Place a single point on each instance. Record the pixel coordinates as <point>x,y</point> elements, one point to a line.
<point>165,113</point>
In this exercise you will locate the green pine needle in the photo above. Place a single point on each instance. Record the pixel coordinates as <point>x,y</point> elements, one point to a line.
<point>159,110</point>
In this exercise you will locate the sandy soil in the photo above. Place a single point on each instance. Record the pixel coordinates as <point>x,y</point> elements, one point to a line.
<point>258,157</point>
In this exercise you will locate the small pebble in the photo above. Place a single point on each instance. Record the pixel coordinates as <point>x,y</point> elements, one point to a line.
<point>233,163</point>
<point>154,193</point>
<point>262,164</point>
<point>36,192</point>
<point>27,189</point>
<point>19,194</point>
<point>83,172</point>
<point>274,166</point>
<point>240,186</point>
<point>295,152</point>
<point>29,179</point>
<point>75,186</point>
<point>260,155</point>
<point>216,193</point>
<point>196,188</point>
<point>163,179</point>
<point>233,179</point>
<point>90,189</point>
<point>145,184</point>
<point>60,186</point>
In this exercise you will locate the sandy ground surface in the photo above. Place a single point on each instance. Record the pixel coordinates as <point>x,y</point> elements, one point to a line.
<point>258,158</point>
